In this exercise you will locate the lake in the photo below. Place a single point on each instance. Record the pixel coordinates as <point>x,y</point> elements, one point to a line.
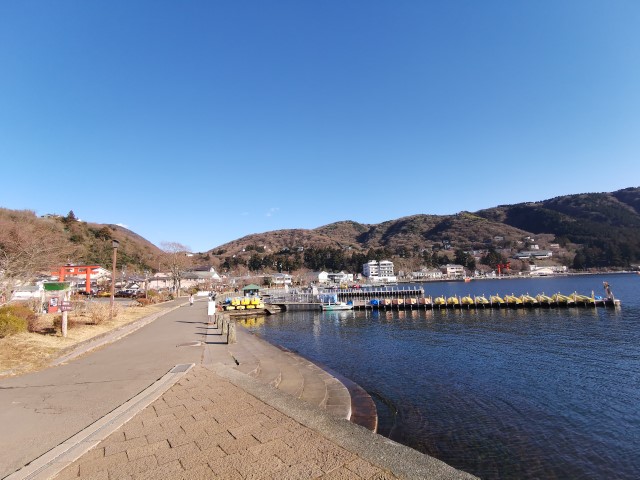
<point>540,393</point>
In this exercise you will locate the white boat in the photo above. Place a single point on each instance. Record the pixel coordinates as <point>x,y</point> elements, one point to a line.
<point>331,307</point>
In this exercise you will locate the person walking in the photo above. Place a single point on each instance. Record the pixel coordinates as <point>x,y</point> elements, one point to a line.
<point>191,300</point>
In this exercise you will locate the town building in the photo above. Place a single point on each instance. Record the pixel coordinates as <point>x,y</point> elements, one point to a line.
<point>452,270</point>
<point>379,271</point>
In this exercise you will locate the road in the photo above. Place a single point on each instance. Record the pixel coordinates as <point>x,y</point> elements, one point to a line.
<point>43,409</point>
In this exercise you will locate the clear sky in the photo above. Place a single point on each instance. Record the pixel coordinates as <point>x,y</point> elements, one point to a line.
<point>200,122</point>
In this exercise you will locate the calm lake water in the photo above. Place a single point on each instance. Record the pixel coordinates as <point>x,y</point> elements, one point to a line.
<point>542,393</point>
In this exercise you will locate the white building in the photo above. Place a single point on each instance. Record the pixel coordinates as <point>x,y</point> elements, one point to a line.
<point>317,277</point>
<point>452,270</point>
<point>379,271</point>
<point>371,269</point>
<point>340,277</point>
<point>533,254</point>
<point>281,279</point>
<point>427,274</point>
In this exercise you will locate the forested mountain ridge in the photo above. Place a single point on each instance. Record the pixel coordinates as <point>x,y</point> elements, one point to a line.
<point>604,226</point>
<point>589,230</point>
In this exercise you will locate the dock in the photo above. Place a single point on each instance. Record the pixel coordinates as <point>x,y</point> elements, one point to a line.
<point>394,298</point>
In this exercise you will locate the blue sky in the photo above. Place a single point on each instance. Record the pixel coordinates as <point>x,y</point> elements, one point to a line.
<point>200,122</point>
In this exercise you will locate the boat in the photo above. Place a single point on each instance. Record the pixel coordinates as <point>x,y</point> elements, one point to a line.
<point>561,299</point>
<point>528,300</point>
<point>467,279</point>
<point>481,300</point>
<point>512,300</point>
<point>439,301</point>
<point>332,307</point>
<point>453,301</point>
<point>544,299</point>
<point>425,301</point>
<point>497,299</point>
<point>583,299</point>
<point>467,300</point>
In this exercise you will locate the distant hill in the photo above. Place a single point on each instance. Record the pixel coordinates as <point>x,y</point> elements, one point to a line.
<point>584,231</point>
<point>85,242</point>
<point>591,230</point>
<point>604,226</point>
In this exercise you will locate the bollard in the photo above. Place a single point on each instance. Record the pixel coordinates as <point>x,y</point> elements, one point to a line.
<point>225,325</point>
<point>231,337</point>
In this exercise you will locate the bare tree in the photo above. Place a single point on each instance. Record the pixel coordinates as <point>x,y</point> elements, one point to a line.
<point>176,258</point>
<point>28,246</point>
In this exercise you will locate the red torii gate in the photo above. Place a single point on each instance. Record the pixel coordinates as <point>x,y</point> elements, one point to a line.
<point>77,270</point>
<point>505,266</point>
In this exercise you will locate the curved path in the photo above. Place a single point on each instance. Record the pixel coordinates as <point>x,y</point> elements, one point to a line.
<point>221,415</point>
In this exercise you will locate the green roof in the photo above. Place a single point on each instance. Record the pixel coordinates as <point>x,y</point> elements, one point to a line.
<point>253,286</point>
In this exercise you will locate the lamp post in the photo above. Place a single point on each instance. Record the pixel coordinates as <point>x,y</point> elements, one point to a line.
<point>115,244</point>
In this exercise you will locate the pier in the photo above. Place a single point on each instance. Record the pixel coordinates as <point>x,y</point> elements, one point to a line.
<point>414,298</point>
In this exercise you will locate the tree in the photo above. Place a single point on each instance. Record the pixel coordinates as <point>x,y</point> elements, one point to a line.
<point>176,259</point>
<point>29,247</point>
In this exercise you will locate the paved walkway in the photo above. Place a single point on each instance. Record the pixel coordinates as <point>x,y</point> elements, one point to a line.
<point>207,427</point>
<point>225,419</point>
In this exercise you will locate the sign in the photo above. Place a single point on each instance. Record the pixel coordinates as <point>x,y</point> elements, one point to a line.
<point>53,286</point>
<point>65,306</point>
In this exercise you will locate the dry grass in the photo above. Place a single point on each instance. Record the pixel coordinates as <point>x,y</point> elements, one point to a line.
<point>29,352</point>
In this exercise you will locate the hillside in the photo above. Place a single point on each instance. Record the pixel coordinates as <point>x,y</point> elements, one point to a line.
<point>587,231</point>
<point>72,241</point>
<point>590,230</point>
<point>604,226</point>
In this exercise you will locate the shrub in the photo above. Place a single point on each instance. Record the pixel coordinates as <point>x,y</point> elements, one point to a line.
<point>15,319</point>
<point>72,322</point>
<point>143,302</point>
<point>10,324</point>
<point>99,312</point>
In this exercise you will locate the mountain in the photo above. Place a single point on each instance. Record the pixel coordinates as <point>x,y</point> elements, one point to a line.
<point>75,241</point>
<point>588,230</point>
<point>605,226</point>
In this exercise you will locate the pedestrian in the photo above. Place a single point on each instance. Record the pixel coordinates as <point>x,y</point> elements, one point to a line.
<point>191,300</point>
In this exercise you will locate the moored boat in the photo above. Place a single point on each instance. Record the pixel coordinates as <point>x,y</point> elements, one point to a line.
<point>528,300</point>
<point>481,300</point>
<point>544,299</point>
<point>512,300</point>
<point>336,306</point>
<point>467,301</point>
<point>453,301</point>
<point>496,300</point>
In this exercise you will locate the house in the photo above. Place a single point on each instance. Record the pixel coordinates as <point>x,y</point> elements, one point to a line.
<point>25,293</point>
<point>316,277</point>
<point>452,270</point>
<point>281,279</point>
<point>341,277</point>
<point>526,254</point>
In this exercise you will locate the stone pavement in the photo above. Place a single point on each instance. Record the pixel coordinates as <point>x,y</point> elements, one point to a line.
<point>225,419</point>
<point>206,427</point>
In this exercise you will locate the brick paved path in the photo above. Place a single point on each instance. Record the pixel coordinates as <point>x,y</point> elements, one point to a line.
<point>206,427</point>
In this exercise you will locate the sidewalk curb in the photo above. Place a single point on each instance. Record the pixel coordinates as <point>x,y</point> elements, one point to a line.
<point>55,460</point>
<point>401,460</point>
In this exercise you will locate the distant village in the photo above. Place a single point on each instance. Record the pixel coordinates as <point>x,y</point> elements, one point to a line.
<point>96,280</point>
